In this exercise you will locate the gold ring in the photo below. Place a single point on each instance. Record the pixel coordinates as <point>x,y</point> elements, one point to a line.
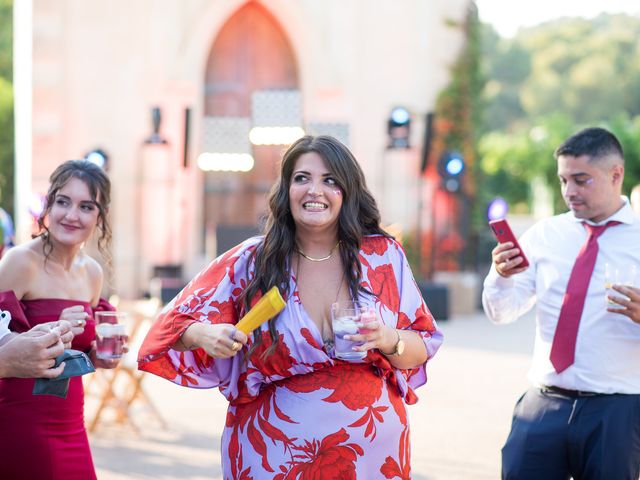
<point>235,346</point>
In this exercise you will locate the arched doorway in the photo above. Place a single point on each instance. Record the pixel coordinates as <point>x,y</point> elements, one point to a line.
<point>250,55</point>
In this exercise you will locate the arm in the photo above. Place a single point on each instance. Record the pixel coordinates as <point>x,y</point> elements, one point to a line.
<point>410,321</point>
<point>191,341</point>
<point>385,339</point>
<point>509,290</point>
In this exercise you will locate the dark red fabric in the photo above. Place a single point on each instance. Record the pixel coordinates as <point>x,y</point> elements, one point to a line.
<point>564,340</point>
<point>41,436</point>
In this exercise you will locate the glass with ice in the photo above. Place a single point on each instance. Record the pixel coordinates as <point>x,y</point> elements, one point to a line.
<point>625,275</point>
<point>349,318</point>
<point>110,334</point>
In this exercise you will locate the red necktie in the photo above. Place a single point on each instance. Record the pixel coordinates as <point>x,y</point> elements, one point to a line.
<point>564,341</point>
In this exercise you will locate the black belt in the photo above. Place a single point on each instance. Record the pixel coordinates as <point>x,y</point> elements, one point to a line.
<point>569,393</point>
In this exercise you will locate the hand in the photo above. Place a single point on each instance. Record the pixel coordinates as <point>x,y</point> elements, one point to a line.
<point>631,303</point>
<point>221,340</point>
<point>32,354</point>
<point>106,363</point>
<point>77,317</point>
<point>61,326</point>
<point>375,334</point>
<point>506,259</point>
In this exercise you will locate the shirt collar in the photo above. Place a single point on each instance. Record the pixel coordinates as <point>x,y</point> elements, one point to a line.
<point>623,215</point>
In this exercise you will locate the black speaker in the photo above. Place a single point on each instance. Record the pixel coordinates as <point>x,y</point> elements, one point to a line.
<point>436,296</point>
<point>426,144</point>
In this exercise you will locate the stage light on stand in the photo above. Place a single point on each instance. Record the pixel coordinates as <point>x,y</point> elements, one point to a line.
<point>451,167</point>
<point>399,128</point>
<point>98,157</point>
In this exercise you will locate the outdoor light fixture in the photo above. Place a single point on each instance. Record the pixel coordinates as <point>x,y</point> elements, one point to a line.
<point>497,209</point>
<point>156,119</point>
<point>225,162</point>
<point>98,157</point>
<point>451,167</point>
<point>399,128</point>
<point>275,135</point>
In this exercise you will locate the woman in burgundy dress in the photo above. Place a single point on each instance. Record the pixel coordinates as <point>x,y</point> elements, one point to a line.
<point>48,279</point>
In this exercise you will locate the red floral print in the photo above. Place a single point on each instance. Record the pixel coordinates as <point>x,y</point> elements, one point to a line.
<point>383,285</point>
<point>375,245</point>
<point>330,458</point>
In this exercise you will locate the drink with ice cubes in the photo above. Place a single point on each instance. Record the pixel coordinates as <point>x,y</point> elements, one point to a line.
<point>349,318</point>
<point>110,335</point>
<point>347,325</point>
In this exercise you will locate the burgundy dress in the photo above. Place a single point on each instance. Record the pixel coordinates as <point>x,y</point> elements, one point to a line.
<point>42,437</point>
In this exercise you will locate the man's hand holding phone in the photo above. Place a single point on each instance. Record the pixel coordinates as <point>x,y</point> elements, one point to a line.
<point>507,256</point>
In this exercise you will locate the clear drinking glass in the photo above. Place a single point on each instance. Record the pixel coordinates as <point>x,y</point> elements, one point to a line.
<point>349,318</point>
<point>626,275</point>
<point>110,334</point>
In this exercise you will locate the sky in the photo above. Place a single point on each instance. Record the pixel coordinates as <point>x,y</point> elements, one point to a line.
<point>508,15</point>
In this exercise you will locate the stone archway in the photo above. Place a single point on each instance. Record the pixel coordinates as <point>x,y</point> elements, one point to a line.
<point>250,54</point>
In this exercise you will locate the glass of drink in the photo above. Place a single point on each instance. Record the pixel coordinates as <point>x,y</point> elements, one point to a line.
<point>625,275</point>
<point>110,334</point>
<point>349,318</point>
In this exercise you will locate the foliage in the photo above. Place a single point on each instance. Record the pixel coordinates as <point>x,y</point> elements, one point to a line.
<point>458,116</point>
<point>6,106</point>
<point>6,145</point>
<point>6,39</point>
<point>548,82</point>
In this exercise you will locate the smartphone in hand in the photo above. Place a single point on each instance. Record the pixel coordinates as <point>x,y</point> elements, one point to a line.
<point>503,234</point>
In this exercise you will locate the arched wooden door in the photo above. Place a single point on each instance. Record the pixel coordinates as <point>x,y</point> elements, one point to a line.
<point>251,53</point>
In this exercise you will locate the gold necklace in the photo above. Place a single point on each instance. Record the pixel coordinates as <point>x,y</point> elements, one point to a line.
<point>319,259</point>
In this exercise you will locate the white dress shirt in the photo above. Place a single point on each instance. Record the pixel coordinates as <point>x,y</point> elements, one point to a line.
<point>5,318</point>
<point>607,357</point>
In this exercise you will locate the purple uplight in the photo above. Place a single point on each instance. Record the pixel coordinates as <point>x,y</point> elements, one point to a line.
<point>498,208</point>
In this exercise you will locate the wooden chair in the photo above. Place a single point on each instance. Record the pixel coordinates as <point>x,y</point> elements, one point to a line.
<point>122,387</point>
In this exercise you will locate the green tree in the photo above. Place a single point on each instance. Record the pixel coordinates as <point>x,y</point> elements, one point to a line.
<point>545,84</point>
<point>6,106</point>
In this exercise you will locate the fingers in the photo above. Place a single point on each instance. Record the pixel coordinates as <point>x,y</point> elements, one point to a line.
<point>506,259</point>
<point>53,372</point>
<point>75,315</point>
<point>627,305</point>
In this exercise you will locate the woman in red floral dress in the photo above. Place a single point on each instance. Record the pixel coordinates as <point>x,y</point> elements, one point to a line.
<point>295,410</point>
<point>50,278</point>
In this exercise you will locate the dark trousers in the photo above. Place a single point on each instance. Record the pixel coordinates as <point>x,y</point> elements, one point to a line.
<point>556,437</point>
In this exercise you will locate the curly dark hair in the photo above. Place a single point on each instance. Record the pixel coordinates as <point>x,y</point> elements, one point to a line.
<point>100,189</point>
<point>359,216</point>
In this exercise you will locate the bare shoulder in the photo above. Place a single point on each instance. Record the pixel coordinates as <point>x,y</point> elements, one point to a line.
<point>19,267</point>
<point>95,276</point>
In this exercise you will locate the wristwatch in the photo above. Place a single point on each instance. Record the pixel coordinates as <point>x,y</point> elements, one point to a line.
<point>398,349</point>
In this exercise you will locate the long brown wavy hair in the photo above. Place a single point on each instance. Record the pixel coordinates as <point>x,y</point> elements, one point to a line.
<point>100,190</point>
<point>359,216</point>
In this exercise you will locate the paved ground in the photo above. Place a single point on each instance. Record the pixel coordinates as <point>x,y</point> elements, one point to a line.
<point>458,426</point>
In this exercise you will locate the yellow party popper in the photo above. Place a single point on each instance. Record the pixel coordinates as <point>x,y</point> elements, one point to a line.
<point>267,307</point>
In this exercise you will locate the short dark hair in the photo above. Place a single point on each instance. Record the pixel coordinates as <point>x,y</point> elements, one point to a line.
<point>594,141</point>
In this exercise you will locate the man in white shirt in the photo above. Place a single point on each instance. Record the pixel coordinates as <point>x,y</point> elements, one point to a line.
<point>582,417</point>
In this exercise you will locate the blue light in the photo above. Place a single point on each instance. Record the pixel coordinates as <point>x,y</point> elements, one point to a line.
<point>497,209</point>
<point>454,166</point>
<point>97,157</point>
<point>400,115</point>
